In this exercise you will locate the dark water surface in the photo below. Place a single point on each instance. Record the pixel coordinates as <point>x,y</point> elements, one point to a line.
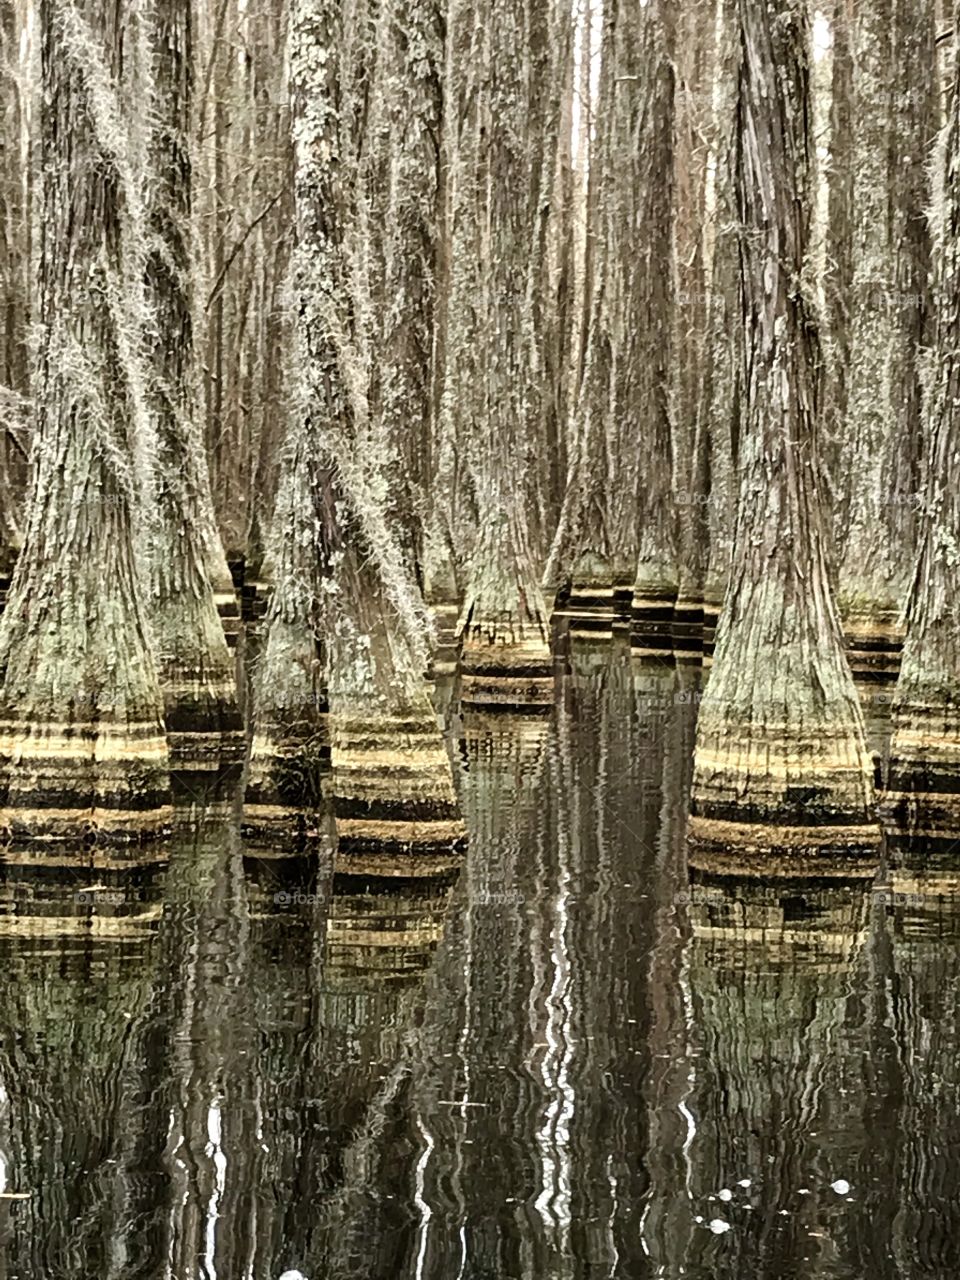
<point>569,1061</point>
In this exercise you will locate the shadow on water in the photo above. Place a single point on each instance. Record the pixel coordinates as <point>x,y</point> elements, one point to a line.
<point>571,1059</point>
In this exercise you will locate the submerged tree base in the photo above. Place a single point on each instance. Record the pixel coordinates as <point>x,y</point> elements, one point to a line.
<point>393,796</point>
<point>283,792</point>
<point>651,616</point>
<point>85,783</point>
<point>733,848</point>
<point>446,653</point>
<point>874,644</point>
<point>686,628</point>
<point>923,776</point>
<point>506,668</point>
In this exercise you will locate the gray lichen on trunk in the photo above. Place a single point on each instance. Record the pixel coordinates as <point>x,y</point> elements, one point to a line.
<point>346,608</point>
<point>81,731</point>
<point>781,736</point>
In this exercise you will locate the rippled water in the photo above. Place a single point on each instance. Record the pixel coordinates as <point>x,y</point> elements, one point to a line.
<point>569,1061</point>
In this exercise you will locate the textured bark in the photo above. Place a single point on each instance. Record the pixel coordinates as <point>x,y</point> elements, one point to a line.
<point>696,60</point>
<point>14,285</point>
<point>504,622</point>
<point>925,750</point>
<point>82,740</point>
<point>721,390</point>
<point>781,736</point>
<point>581,554</point>
<point>413,107</point>
<point>837,279</point>
<point>342,579</point>
<point>204,728</point>
<point>891,132</point>
<point>651,285</point>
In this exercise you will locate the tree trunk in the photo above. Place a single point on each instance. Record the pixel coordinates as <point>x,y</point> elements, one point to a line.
<point>651,283</point>
<point>925,749</point>
<point>81,728</point>
<point>720,389</point>
<point>14,288</point>
<point>204,728</point>
<point>781,736</point>
<point>342,579</point>
<point>506,654</point>
<point>882,427</point>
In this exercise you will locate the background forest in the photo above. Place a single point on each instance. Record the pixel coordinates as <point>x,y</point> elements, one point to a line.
<point>391,323</point>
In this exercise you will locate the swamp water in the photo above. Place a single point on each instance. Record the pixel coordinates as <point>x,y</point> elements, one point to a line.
<point>570,1060</point>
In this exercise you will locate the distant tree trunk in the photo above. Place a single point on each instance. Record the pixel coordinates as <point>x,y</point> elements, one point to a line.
<point>448,534</point>
<point>781,737</point>
<point>696,67</point>
<point>341,580</point>
<point>720,388</point>
<point>411,88</point>
<point>650,263</point>
<point>506,655</point>
<point>881,429</point>
<point>581,554</point>
<point>838,265</point>
<point>925,750</point>
<point>81,713</point>
<point>203,721</point>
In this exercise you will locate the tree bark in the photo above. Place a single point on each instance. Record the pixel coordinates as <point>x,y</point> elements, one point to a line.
<point>81,729</point>
<point>506,656</point>
<point>204,728</point>
<point>781,736</point>
<point>881,428</point>
<point>342,581</point>
<point>925,748</point>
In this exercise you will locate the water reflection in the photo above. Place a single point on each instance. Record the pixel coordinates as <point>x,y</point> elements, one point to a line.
<point>568,1058</point>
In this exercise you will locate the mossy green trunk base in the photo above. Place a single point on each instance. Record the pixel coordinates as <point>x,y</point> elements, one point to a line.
<point>392,792</point>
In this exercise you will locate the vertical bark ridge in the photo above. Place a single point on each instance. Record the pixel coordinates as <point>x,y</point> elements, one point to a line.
<point>649,352</point>
<point>882,427</point>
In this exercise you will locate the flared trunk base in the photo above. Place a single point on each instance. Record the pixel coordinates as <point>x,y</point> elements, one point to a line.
<point>88,783</point>
<point>651,619</point>
<point>283,792</point>
<point>392,791</point>
<point>923,775</point>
